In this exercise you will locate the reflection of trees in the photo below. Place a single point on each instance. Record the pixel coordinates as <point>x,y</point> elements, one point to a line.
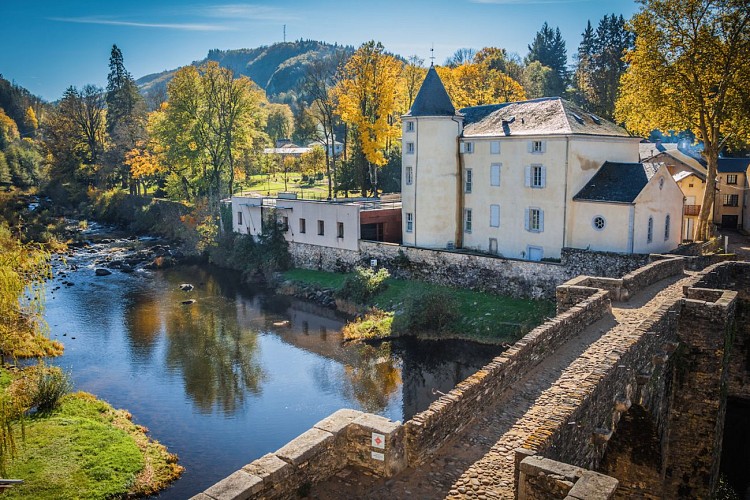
<point>143,323</point>
<point>218,359</point>
<point>373,377</point>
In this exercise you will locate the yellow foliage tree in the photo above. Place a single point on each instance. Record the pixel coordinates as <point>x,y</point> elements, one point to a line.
<point>30,118</point>
<point>367,98</point>
<point>689,70</point>
<point>8,130</point>
<point>475,84</point>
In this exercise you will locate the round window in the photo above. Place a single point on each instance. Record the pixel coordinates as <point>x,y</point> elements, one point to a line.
<point>599,222</point>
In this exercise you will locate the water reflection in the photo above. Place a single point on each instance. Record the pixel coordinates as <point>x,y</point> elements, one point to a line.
<point>238,373</point>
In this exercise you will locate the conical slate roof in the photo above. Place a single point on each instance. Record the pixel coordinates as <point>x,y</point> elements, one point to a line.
<point>432,99</point>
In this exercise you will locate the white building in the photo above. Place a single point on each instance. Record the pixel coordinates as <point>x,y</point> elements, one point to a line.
<point>510,179</point>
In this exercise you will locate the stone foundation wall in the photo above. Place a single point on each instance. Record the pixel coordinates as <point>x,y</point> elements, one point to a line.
<point>428,430</point>
<point>517,278</point>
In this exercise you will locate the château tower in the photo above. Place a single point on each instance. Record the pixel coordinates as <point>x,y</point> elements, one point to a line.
<point>430,178</point>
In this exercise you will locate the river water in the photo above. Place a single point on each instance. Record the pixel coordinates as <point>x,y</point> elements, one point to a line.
<point>236,374</point>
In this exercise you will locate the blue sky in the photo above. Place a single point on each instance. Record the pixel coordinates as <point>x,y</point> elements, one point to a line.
<point>49,45</point>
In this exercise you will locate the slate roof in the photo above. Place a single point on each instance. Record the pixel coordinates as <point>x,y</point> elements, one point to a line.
<point>432,98</point>
<point>617,182</point>
<point>544,116</point>
<point>733,165</point>
<point>648,150</point>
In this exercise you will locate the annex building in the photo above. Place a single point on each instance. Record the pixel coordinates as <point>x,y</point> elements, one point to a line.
<point>525,179</point>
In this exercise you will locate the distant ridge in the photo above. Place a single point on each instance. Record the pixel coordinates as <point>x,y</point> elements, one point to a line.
<point>277,68</point>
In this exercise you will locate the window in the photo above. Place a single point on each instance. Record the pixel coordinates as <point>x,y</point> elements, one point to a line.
<point>467,220</point>
<point>495,147</point>
<point>467,147</point>
<point>410,148</point>
<point>494,215</point>
<point>666,228</point>
<point>321,228</point>
<point>408,175</point>
<point>340,229</point>
<point>536,176</point>
<point>536,147</point>
<point>661,183</point>
<point>731,200</point>
<point>285,223</point>
<point>409,222</point>
<point>650,233</point>
<point>731,178</point>
<point>495,174</point>
<point>534,220</point>
<point>410,126</point>
<point>239,218</point>
<point>302,227</point>
<point>468,180</point>
<point>598,222</point>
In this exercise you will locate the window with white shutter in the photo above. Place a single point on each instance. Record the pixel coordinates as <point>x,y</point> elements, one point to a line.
<point>495,174</point>
<point>495,147</point>
<point>494,215</point>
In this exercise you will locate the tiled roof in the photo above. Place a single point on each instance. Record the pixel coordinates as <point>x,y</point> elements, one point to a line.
<point>545,116</point>
<point>432,98</point>
<point>733,165</point>
<point>617,182</point>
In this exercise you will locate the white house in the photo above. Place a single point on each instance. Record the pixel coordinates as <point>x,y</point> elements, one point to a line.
<point>503,178</point>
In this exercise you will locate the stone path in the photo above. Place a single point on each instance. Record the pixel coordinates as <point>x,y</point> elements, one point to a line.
<point>478,461</point>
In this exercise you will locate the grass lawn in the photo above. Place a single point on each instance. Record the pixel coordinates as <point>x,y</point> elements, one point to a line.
<point>87,449</point>
<point>484,317</point>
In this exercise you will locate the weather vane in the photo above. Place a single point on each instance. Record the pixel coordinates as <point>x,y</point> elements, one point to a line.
<point>432,55</point>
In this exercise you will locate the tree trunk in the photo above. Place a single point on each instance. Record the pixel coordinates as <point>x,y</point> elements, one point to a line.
<point>711,155</point>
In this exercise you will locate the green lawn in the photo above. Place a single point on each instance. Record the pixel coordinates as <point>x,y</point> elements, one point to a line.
<point>87,449</point>
<point>484,317</point>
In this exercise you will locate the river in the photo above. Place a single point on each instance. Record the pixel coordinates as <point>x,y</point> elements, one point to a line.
<point>236,374</point>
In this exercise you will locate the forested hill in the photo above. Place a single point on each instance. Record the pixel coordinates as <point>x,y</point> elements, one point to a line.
<point>277,68</point>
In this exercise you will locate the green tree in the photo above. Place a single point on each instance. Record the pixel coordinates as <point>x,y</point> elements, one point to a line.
<point>548,47</point>
<point>689,70</point>
<point>601,64</point>
<point>280,124</point>
<point>126,115</point>
<point>85,109</point>
<point>539,81</point>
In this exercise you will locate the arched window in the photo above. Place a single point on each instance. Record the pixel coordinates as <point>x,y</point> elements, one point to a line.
<point>666,228</point>
<point>650,235</point>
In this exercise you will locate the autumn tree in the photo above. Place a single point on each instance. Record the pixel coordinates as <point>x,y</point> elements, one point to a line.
<point>461,56</point>
<point>321,78</point>
<point>202,131</point>
<point>413,75</point>
<point>548,47</point>
<point>477,84</point>
<point>689,70</point>
<point>126,115</point>
<point>367,98</point>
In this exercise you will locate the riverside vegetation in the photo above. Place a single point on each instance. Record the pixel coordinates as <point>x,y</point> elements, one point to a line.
<point>388,307</point>
<point>62,444</point>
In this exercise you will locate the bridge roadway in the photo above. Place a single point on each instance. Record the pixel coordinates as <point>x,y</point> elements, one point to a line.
<point>478,462</point>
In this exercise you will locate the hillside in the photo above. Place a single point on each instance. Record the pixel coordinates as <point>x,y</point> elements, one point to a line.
<point>277,68</point>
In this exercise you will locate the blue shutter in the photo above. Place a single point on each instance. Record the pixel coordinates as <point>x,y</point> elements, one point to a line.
<point>541,221</point>
<point>544,176</point>
<point>527,175</point>
<point>526,219</point>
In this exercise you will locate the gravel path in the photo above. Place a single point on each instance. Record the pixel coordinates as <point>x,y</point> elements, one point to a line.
<point>478,461</point>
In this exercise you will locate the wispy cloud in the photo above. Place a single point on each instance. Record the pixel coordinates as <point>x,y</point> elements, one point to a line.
<point>137,24</point>
<point>244,11</point>
<point>525,2</point>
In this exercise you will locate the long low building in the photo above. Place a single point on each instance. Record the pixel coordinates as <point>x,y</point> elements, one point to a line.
<point>333,224</point>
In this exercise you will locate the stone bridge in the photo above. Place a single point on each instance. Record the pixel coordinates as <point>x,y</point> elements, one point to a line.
<point>621,395</point>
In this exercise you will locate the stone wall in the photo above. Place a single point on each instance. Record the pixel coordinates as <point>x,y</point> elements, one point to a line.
<point>621,289</point>
<point>713,245</point>
<point>517,278</point>
<point>428,430</point>
<point>346,438</point>
<point>545,479</point>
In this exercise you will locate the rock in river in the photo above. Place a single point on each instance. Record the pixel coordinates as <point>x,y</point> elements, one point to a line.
<point>103,272</point>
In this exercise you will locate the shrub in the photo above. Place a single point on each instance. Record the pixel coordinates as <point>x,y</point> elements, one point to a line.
<point>364,284</point>
<point>374,325</point>
<point>51,385</point>
<point>427,310</point>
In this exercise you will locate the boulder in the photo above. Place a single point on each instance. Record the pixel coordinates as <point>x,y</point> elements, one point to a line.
<point>103,272</point>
